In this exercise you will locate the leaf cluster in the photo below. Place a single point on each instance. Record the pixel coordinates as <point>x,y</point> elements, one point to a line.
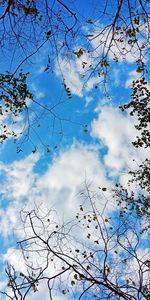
<point>13,96</point>
<point>139,106</point>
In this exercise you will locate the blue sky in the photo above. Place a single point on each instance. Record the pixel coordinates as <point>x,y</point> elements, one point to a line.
<point>90,138</point>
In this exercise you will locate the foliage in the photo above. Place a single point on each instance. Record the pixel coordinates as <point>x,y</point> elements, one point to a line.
<point>139,106</point>
<point>142,175</point>
<point>13,96</point>
<point>138,200</point>
<point>131,203</point>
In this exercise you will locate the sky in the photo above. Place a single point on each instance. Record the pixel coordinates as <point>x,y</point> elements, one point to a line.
<point>82,139</point>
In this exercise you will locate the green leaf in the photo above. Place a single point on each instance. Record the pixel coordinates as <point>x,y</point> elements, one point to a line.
<point>104,189</point>
<point>139,70</point>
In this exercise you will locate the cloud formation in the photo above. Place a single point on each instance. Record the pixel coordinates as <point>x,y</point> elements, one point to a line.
<point>116,131</point>
<point>57,188</point>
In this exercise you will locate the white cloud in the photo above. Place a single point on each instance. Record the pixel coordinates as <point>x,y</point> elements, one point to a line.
<point>20,177</point>
<point>133,75</point>
<point>14,257</point>
<point>38,94</point>
<point>117,131</point>
<point>103,102</point>
<point>91,83</point>
<point>57,188</point>
<point>14,124</point>
<point>68,69</point>
<point>19,182</point>
<point>137,267</point>
<point>117,77</point>
<point>88,100</point>
<point>75,72</point>
<point>40,70</point>
<point>123,51</point>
